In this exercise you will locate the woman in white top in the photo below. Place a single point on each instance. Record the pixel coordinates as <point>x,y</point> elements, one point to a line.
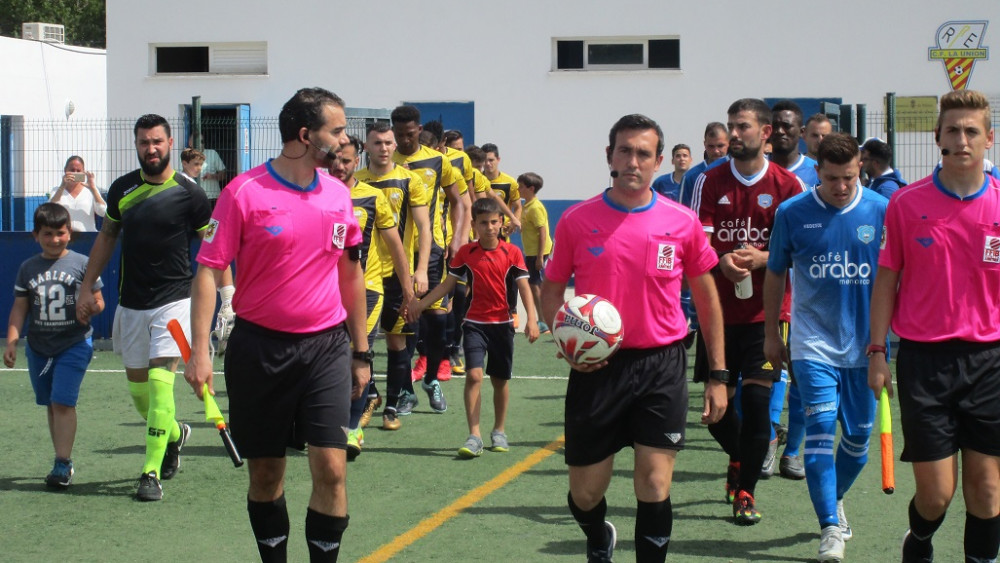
<point>82,200</point>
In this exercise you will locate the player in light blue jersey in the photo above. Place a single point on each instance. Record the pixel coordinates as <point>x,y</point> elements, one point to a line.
<point>830,239</point>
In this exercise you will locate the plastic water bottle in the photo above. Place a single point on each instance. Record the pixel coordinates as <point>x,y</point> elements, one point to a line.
<point>744,287</point>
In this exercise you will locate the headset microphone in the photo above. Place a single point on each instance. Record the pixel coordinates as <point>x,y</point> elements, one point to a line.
<point>945,152</point>
<point>614,173</point>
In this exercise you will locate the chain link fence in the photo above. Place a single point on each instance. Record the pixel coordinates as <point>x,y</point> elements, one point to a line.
<point>35,151</point>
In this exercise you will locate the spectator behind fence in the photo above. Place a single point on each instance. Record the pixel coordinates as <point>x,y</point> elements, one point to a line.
<point>79,194</point>
<point>213,173</point>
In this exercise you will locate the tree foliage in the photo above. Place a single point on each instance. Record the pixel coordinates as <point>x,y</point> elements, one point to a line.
<point>84,20</point>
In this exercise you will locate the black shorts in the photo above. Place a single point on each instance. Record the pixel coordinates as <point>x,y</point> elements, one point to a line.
<point>948,397</point>
<point>392,299</point>
<point>744,355</point>
<point>640,397</point>
<point>492,341</point>
<point>287,389</point>
<point>535,276</point>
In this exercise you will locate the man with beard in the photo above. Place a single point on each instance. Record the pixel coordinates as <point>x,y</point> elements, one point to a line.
<point>736,205</point>
<point>159,213</point>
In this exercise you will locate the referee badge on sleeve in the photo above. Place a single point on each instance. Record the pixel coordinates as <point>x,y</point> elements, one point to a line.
<point>339,235</point>
<point>213,227</point>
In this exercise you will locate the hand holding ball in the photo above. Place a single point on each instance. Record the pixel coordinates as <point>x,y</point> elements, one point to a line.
<point>587,329</point>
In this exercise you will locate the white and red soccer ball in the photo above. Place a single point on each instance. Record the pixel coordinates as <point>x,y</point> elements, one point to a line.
<point>587,329</point>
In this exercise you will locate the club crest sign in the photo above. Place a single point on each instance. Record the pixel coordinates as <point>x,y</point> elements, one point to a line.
<point>959,44</point>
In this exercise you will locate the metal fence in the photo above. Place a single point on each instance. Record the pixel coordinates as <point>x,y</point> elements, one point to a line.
<point>35,152</point>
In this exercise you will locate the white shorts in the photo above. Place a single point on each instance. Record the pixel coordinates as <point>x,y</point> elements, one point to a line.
<point>140,336</point>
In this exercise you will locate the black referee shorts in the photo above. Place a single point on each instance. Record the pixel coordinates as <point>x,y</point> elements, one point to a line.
<point>287,389</point>
<point>640,397</point>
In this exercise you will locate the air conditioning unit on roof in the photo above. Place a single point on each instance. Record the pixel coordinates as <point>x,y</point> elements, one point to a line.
<point>48,32</point>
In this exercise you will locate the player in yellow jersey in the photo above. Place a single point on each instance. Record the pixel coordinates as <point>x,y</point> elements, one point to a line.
<point>380,239</point>
<point>408,200</point>
<point>444,182</point>
<point>505,185</point>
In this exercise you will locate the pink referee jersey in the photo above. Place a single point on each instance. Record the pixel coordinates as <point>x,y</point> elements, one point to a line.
<point>286,241</point>
<point>635,259</point>
<point>947,250</point>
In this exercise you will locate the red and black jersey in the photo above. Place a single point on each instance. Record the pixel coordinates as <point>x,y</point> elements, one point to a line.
<point>489,273</point>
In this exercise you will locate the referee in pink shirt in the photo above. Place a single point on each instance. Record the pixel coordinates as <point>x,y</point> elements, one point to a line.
<point>634,247</point>
<point>290,372</point>
<point>937,285</point>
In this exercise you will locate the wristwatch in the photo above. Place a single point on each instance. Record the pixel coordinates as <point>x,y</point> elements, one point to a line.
<point>719,375</point>
<point>875,349</point>
<point>367,356</point>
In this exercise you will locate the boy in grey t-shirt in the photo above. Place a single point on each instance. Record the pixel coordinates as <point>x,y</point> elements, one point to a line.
<point>59,348</point>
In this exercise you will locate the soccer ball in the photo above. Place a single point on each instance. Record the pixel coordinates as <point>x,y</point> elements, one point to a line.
<point>587,329</point>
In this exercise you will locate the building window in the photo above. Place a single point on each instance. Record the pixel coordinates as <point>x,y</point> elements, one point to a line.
<point>617,53</point>
<point>210,58</point>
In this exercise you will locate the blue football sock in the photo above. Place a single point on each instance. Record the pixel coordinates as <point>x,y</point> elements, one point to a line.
<point>821,474</point>
<point>852,455</point>
<point>796,423</point>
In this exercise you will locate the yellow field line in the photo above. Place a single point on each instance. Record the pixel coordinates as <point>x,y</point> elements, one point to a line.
<point>430,523</point>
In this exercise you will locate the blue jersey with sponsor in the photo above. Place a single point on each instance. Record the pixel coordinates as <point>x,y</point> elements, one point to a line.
<point>833,254</point>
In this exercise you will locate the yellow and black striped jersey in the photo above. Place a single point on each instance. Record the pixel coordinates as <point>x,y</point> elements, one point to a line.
<point>436,172</point>
<point>404,190</point>
<point>507,186</point>
<point>372,210</point>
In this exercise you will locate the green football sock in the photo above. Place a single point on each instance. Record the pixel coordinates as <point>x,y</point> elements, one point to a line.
<point>140,397</point>
<point>161,427</point>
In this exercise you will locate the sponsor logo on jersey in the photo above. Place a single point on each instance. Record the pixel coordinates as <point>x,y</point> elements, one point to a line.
<point>275,230</point>
<point>339,235</point>
<point>765,200</point>
<point>665,257</point>
<point>925,242</point>
<point>866,233</point>
<point>834,265</point>
<point>213,227</point>
<point>741,230</point>
<point>991,250</point>
<point>813,226</point>
<point>596,250</point>
<point>725,200</point>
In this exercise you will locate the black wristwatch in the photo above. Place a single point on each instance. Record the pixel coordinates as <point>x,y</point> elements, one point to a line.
<point>367,356</point>
<point>719,375</point>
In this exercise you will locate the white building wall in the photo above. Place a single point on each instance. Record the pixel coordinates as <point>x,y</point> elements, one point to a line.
<point>499,55</point>
<point>39,81</point>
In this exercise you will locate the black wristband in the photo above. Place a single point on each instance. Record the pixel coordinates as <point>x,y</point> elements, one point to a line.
<point>367,356</point>
<point>719,375</point>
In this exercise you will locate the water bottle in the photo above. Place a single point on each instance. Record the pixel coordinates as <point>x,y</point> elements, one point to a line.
<point>744,287</point>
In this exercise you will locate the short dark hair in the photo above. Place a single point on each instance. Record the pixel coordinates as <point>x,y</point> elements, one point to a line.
<point>837,148</point>
<point>378,127</point>
<point>51,215</point>
<point>475,153</point>
<point>451,135</point>
<point>149,121</point>
<point>74,158</point>
<point>878,150</point>
<point>305,109</point>
<point>356,143</point>
<point>405,114</point>
<point>491,148</point>
<point>532,180</point>
<point>428,139</point>
<point>486,206</point>
<point>635,122</point>
<point>715,128</point>
<point>788,105</point>
<point>435,128</point>
<point>678,147</point>
<point>818,118</point>
<point>760,110</point>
